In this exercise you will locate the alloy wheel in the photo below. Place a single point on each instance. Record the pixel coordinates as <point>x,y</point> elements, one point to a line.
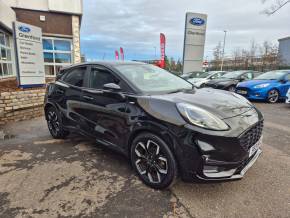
<point>150,162</point>
<point>273,96</point>
<point>53,122</point>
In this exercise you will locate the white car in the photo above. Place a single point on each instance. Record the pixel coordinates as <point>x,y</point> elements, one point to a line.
<point>205,77</point>
<point>288,97</point>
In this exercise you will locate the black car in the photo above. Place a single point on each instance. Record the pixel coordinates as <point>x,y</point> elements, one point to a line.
<point>230,80</point>
<point>158,120</point>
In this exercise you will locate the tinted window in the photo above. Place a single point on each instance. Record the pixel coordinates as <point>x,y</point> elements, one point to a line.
<point>76,77</point>
<point>100,77</point>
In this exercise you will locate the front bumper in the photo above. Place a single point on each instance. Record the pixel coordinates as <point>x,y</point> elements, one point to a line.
<point>253,94</point>
<point>218,156</point>
<point>237,172</point>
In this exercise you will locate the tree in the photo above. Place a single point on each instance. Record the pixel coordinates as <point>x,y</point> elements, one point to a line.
<point>269,55</point>
<point>237,57</point>
<point>275,6</point>
<point>217,55</point>
<point>179,66</point>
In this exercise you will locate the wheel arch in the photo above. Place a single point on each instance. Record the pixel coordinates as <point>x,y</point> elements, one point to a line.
<point>157,130</point>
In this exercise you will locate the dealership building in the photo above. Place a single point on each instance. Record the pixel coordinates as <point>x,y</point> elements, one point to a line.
<point>284,51</point>
<point>37,38</point>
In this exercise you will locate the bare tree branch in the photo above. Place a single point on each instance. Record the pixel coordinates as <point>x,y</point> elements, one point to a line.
<point>276,6</point>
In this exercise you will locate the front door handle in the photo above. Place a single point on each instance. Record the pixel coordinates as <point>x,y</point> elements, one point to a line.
<point>88,98</point>
<point>59,91</point>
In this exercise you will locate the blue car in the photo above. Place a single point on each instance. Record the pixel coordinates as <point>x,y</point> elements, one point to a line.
<point>271,86</point>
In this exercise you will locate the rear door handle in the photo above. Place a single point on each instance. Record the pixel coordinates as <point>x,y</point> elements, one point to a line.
<point>88,98</point>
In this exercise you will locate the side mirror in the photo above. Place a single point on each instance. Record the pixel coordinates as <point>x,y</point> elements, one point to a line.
<point>283,81</point>
<point>112,87</point>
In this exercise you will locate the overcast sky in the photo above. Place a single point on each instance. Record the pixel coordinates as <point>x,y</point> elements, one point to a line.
<point>135,25</point>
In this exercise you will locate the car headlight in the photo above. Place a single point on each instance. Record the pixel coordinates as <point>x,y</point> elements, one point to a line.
<point>201,118</point>
<point>262,86</point>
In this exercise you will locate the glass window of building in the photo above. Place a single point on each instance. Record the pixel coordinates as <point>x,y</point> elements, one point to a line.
<point>6,69</point>
<point>57,54</point>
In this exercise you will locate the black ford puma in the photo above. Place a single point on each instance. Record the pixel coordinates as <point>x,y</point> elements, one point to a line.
<point>166,127</point>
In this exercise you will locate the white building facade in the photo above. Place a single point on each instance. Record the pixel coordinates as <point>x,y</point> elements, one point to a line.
<point>60,21</point>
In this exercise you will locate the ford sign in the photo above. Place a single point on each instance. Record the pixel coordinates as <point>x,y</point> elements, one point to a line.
<point>24,29</point>
<point>196,21</point>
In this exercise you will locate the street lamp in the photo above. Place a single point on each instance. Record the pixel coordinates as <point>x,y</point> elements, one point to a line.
<point>223,57</point>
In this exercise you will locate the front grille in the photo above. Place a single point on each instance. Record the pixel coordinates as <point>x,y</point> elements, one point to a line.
<point>243,89</point>
<point>252,136</point>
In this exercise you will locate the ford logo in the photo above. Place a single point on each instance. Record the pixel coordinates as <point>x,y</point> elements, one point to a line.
<point>24,29</point>
<point>197,21</point>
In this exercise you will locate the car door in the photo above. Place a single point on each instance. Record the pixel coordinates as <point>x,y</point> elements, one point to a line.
<point>104,111</point>
<point>68,95</point>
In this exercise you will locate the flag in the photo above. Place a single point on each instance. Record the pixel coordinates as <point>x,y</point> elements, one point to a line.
<point>116,55</point>
<point>122,53</point>
<point>162,49</point>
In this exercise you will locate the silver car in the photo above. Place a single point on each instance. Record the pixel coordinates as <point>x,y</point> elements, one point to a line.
<point>205,77</point>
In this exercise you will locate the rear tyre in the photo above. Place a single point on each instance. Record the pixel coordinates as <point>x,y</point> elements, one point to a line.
<point>232,89</point>
<point>273,96</point>
<point>54,124</point>
<point>153,161</point>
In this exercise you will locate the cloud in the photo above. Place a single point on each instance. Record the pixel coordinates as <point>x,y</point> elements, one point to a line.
<point>135,25</point>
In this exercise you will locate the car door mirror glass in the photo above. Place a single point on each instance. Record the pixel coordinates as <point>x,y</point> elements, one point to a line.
<point>112,87</point>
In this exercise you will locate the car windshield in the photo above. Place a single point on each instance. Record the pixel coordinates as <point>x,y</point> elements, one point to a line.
<point>192,75</point>
<point>272,75</point>
<point>233,75</point>
<point>205,75</point>
<point>151,79</point>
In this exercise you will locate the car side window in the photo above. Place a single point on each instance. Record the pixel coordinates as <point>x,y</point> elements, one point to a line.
<point>99,77</point>
<point>76,77</point>
<point>250,75</point>
<point>216,76</point>
<point>288,77</point>
<point>247,76</point>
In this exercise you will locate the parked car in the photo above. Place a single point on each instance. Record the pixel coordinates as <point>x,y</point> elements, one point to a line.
<point>191,75</point>
<point>164,125</point>
<point>288,97</point>
<point>271,86</point>
<point>230,80</point>
<point>200,80</point>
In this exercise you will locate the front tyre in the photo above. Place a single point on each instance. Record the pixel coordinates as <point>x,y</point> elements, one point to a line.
<point>153,161</point>
<point>273,96</point>
<point>54,124</point>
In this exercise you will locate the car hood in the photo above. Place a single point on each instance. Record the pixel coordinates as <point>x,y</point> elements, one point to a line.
<point>221,103</point>
<point>252,83</point>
